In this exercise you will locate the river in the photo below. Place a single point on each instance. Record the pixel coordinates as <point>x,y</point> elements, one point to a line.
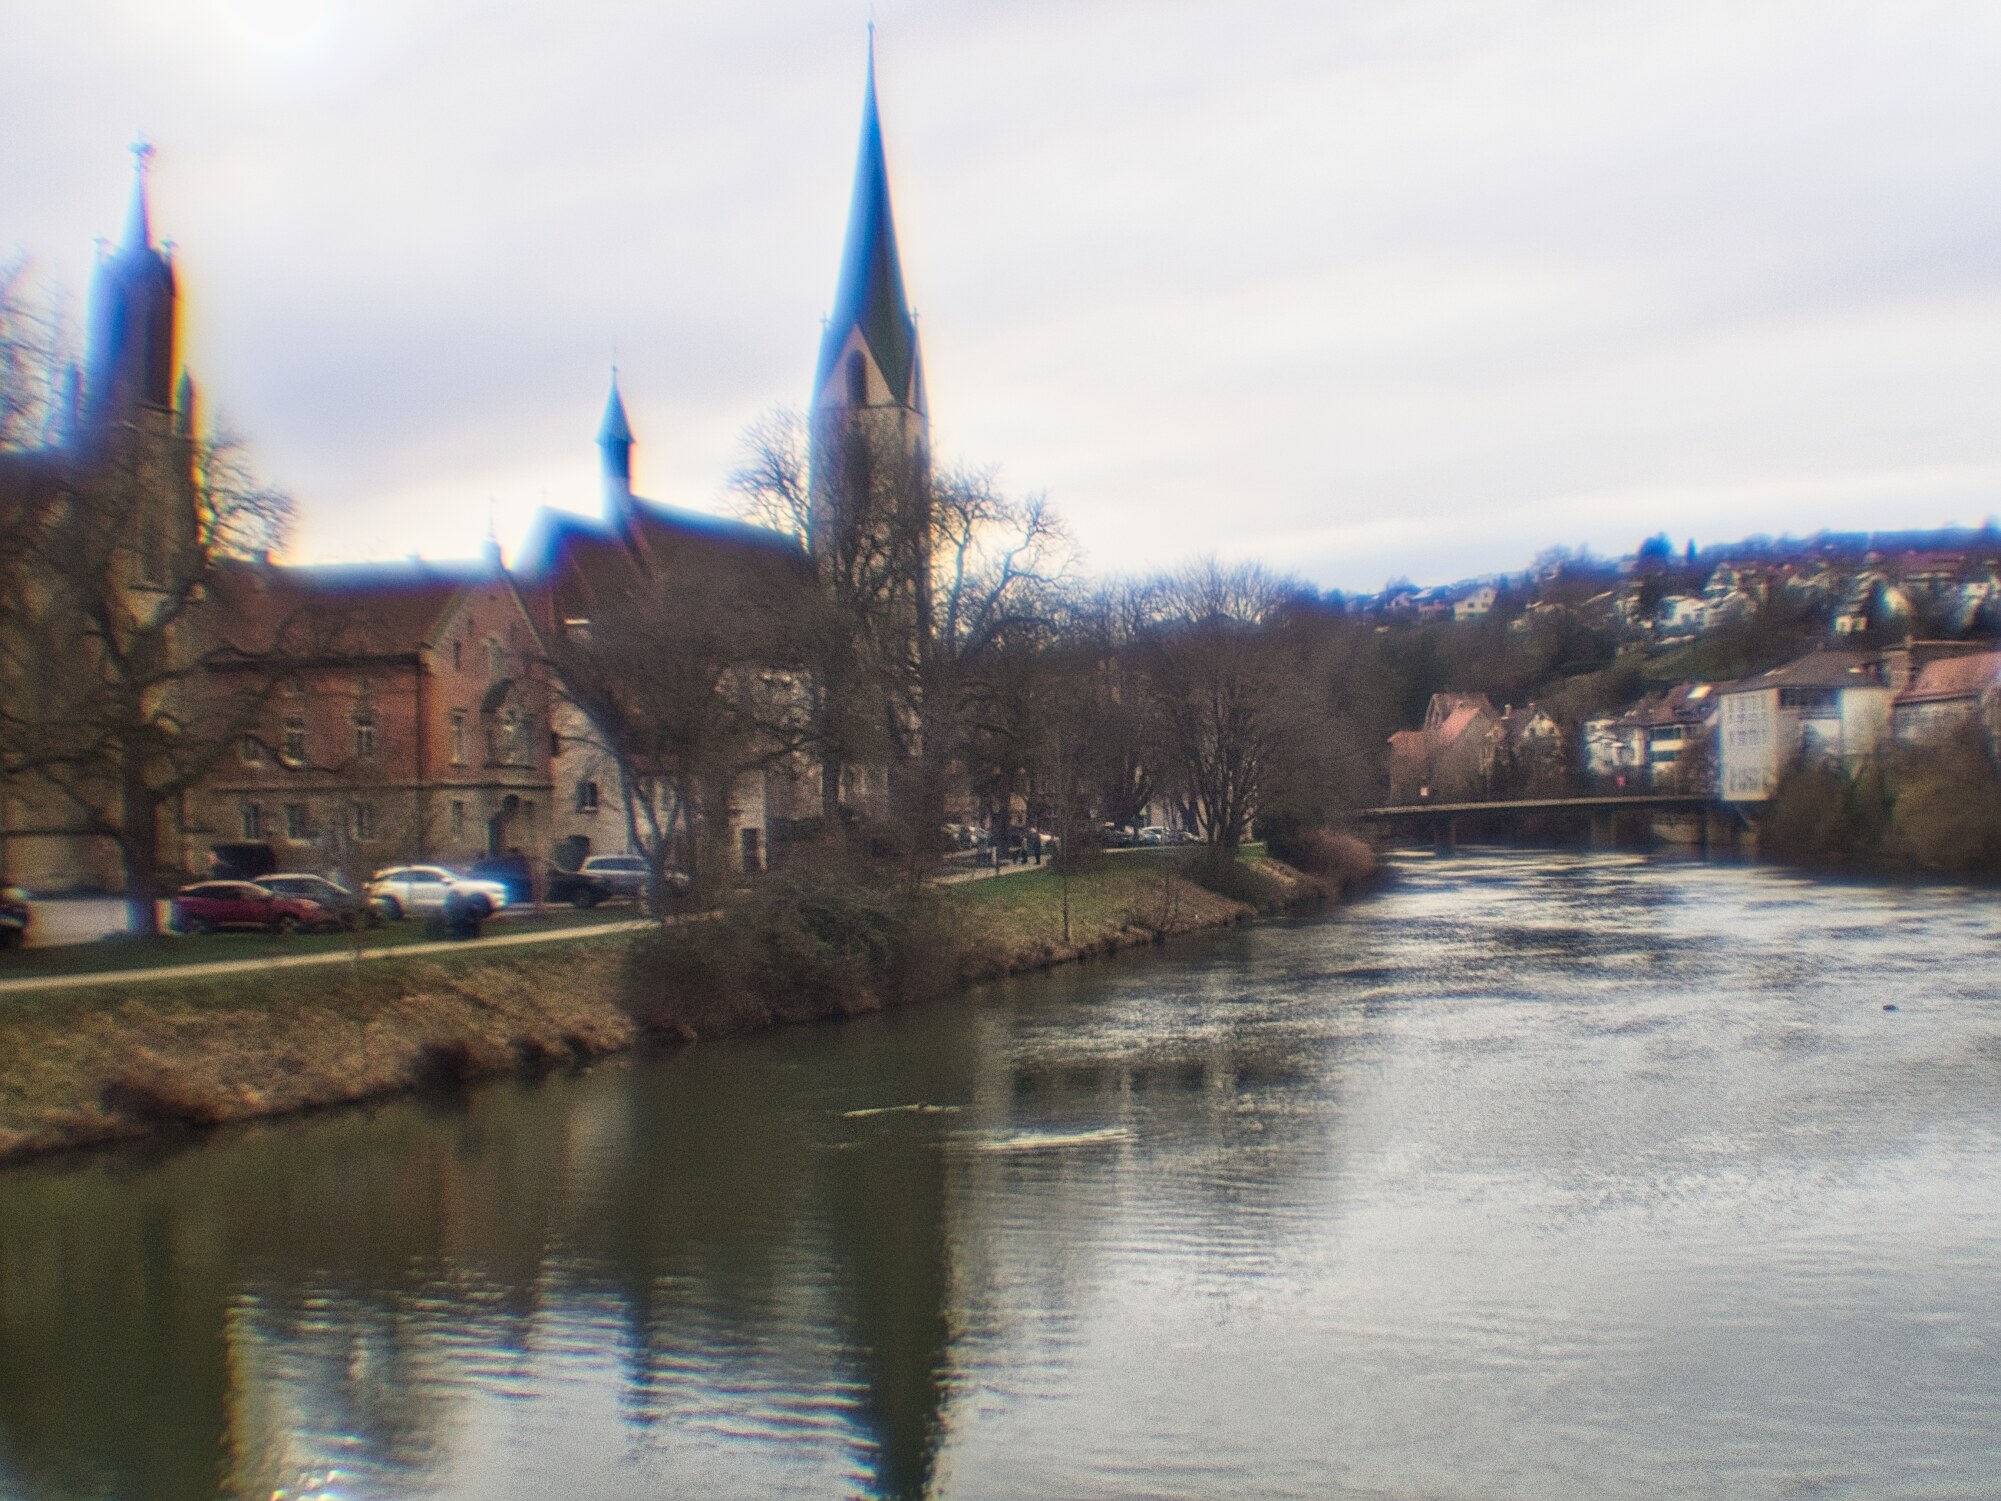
<point>1530,1176</point>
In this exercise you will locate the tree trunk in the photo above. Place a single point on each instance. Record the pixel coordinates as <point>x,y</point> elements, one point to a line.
<point>139,846</point>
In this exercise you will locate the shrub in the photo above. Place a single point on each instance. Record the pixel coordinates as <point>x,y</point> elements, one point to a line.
<point>803,946</point>
<point>1813,818</point>
<point>1340,859</point>
<point>1948,811</point>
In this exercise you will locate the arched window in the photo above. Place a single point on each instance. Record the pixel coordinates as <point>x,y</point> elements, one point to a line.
<point>857,379</point>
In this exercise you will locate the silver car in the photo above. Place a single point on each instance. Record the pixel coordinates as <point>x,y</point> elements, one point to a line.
<point>627,875</point>
<point>408,890</point>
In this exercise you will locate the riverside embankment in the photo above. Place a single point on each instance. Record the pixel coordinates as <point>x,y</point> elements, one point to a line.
<point>138,1055</point>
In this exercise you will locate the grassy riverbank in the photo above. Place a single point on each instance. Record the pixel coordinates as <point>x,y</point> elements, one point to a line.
<point>114,1062</point>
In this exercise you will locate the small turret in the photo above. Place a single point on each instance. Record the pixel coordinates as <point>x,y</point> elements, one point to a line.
<point>615,444</point>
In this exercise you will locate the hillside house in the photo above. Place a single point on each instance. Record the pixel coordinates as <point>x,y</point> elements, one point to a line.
<point>1830,706</point>
<point>1450,758</point>
<point>1947,694</point>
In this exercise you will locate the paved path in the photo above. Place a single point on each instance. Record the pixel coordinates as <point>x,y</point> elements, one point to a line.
<point>306,961</point>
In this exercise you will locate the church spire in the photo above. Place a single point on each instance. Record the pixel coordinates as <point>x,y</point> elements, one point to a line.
<point>138,221</point>
<point>615,443</point>
<point>134,317</point>
<point>869,298</point>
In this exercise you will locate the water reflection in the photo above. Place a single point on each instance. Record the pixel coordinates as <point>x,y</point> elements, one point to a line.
<point>1534,1176</point>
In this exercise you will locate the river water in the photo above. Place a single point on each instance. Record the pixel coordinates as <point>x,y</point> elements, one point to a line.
<point>1531,1176</point>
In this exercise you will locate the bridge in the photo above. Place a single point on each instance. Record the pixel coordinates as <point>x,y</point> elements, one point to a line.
<point>1721,823</point>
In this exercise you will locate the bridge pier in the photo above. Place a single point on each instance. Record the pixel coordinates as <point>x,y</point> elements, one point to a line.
<point>1445,836</point>
<point>1604,830</point>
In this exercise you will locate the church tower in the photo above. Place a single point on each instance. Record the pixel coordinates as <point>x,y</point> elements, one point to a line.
<point>870,456</point>
<point>135,327</point>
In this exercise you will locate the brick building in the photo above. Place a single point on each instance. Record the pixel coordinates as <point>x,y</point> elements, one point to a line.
<point>407,716</point>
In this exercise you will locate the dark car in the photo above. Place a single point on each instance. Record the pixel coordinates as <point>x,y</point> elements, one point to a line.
<point>15,917</point>
<point>577,889</point>
<point>209,906</point>
<point>512,871</point>
<point>349,908</point>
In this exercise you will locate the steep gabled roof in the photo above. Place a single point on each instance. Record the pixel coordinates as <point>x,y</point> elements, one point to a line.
<point>583,563</point>
<point>344,610</point>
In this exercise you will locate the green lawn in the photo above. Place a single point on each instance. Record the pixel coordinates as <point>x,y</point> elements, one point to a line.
<point>115,954</point>
<point>1149,888</point>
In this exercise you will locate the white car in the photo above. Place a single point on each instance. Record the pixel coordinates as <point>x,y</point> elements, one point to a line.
<point>407,890</point>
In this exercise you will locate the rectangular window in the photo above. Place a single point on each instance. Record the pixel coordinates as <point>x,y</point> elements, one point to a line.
<point>295,740</point>
<point>587,797</point>
<point>296,826</point>
<point>253,821</point>
<point>251,751</point>
<point>458,737</point>
<point>458,817</point>
<point>364,820</point>
<point>364,738</point>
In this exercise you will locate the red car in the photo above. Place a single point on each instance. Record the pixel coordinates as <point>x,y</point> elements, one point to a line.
<point>211,905</point>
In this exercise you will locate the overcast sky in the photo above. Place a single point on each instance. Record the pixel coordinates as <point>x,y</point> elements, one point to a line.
<point>1411,287</point>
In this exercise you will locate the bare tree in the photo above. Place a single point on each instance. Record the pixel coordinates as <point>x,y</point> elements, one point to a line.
<point>857,635</point>
<point>769,486</point>
<point>112,711</point>
<point>684,681</point>
<point>1000,570</point>
<point>35,355</point>
<point>914,608</point>
<point>1227,684</point>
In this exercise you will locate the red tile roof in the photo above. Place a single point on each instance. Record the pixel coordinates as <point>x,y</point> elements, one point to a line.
<point>1953,677</point>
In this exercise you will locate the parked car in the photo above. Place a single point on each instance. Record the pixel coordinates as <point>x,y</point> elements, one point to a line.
<point>1116,837</point>
<point>209,906</point>
<point>512,871</point>
<point>576,888</point>
<point>349,908</point>
<point>604,878</point>
<point>1151,837</point>
<point>412,890</point>
<point>16,916</point>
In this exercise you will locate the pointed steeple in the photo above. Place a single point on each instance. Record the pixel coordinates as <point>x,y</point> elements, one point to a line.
<point>138,221</point>
<point>134,321</point>
<point>869,297</point>
<point>615,443</point>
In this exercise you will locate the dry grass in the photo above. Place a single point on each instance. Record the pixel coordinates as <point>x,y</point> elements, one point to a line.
<point>97,1066</point>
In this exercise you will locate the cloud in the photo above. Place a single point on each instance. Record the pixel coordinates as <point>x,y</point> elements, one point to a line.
<point>1416,288</point>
